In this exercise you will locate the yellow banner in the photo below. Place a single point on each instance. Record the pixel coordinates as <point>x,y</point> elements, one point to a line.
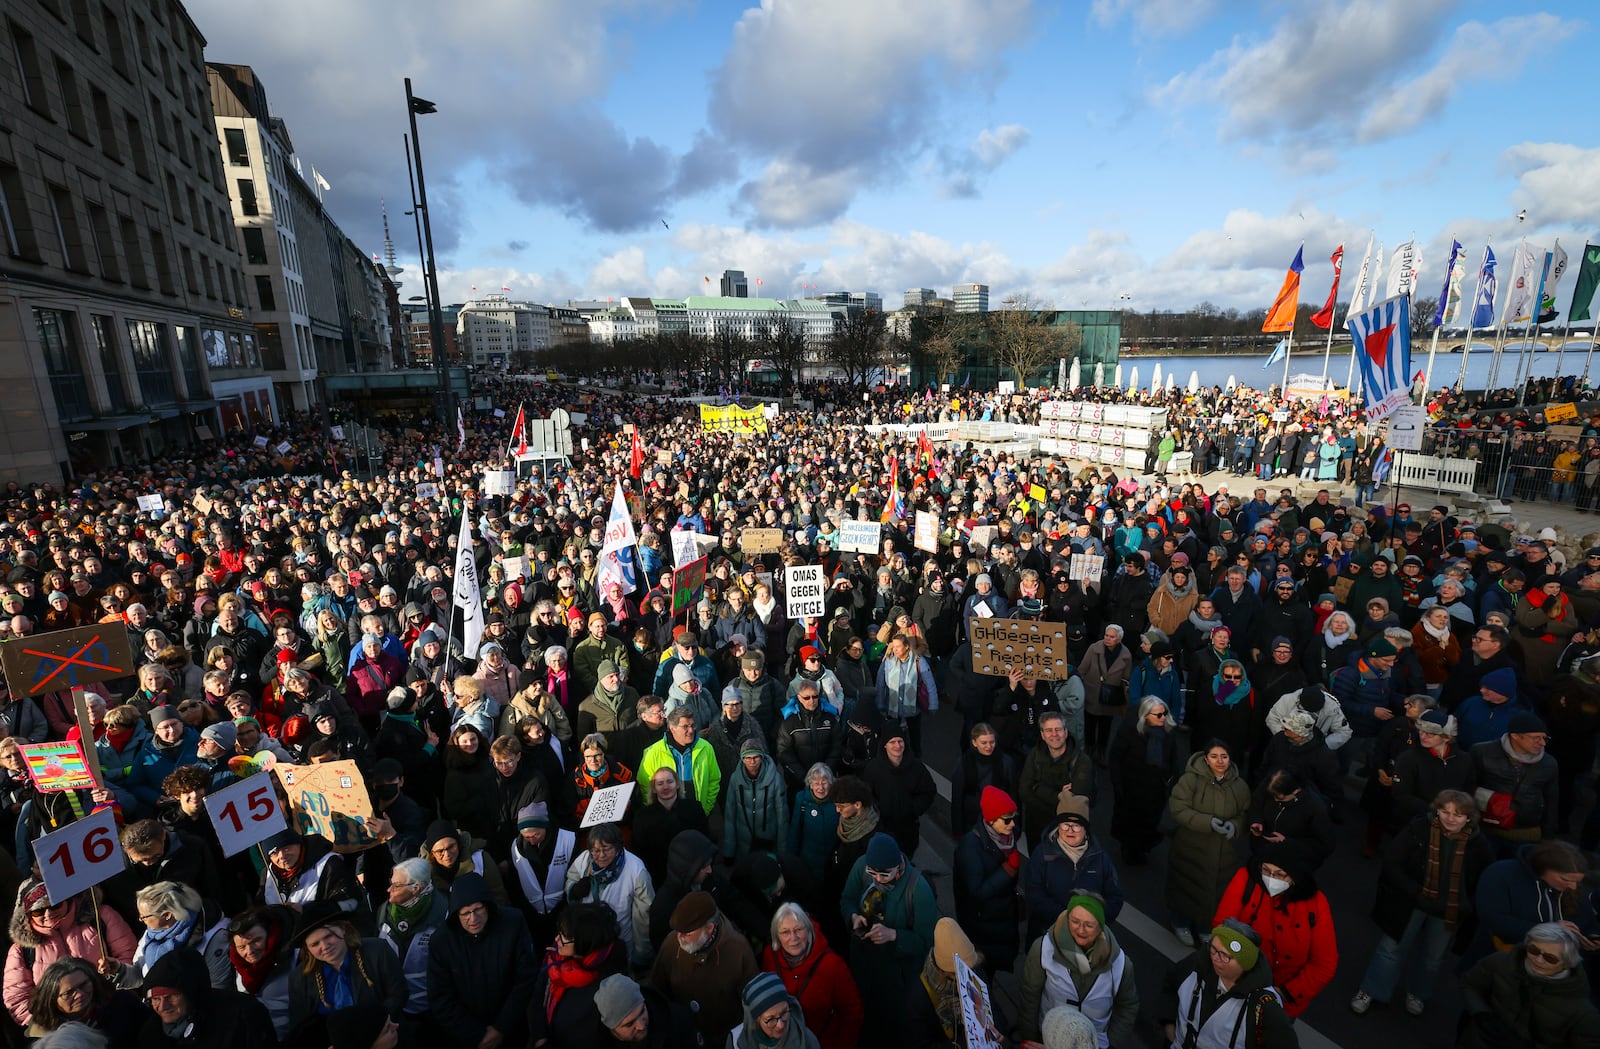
<point>730,418</point>
<point>1555,413</point>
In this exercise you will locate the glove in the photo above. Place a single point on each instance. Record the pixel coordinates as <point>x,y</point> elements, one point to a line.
<point>1013,862</point>
<point>1223,827</point>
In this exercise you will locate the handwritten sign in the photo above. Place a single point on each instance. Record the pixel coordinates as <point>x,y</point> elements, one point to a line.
<point>977,1017</point>
<point>1554,413</point>
<point>1087,567</point>
<point>687,583</point>
<point>608,805</point>
<point>150,504</point>
<point>925,536</point>
<point>1037,493</point>
<point>57,766</point>
<point>805,590</point>
<point>201,503</point>
<point>983,535</point>
<point>860,537</point>
<point>329,800</point>
<point>516,568</point>
<point>498,482</point>
<point>337,431</point>
<point>684,547</point>
<point>1037,649</point>
<point>62,659</point>
<point>282,448</point>
<point>80,855</point>
<point>245,812</point>
<point>761,540</point>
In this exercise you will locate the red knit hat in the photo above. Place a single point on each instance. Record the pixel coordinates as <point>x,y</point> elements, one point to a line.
<point>996,803</point>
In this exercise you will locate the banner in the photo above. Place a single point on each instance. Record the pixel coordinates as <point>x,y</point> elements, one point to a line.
<point>1448,311</point>
<point>1381,337</point>
<point>1588,280</point>
<point>1002,645</point>
<point>926,533</point>
<point>1524,273</point>
<point>57,766</point>
<point>730,418</point>
<point>1404,266</point>
<point>465,593</point>
<point>63,659</point>
<point>616,556</point>
<point>687,581</point>
<point>1483,298</point>
<point>859,537</point>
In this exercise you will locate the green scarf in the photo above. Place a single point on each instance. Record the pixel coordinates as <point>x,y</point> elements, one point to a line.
<point>861,825</point>
<point>405,922</point>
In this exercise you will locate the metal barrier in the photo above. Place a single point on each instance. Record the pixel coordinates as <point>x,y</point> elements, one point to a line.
<point>1417,470</point>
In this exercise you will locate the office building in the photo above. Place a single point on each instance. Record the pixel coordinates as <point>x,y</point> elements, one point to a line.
<point>122,301</point>
<point>491,328</point>
<point>971,298</point>
<point>735,285</point>
<point>914,297</point>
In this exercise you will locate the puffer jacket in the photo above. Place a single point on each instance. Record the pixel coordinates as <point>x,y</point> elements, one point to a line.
<point>986,895</point>
<point>762,699</point>
<point>1039,995</point>
<point>1532,786</point>
<point>755,814</point>
<point>1540,1012</point>
<point>1296,930</point>
<point>1200,861</point>
<point>1361,690</point>
<point>806,738</point>
<point>31,953</point>
<point>1051,879</point>
<point>826,991</point>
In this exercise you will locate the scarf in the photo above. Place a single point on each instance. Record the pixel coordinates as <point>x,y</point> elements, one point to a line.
<point>338,990</point>
<point>764,609</point>
<point>1431,889</point>
<point>1084,962</point>
<point>161,942</point>
<point>1516,755</point>
<point>566,973</point>
<point>405,922</point>
<point>253,975</point>
<point>1155,747</point>
<point>555,683</point>
<point>118,738</point>
<point>1331,639</point>
<point>1006,843</point>
<point>606,875</point>
<point>859,826</point>
<point>1441,635</point>
<point>1205,626</point>
<point>1180,594</point>
<point>1075,853</point>
<point>946,999</point>
<point>1228,694</point>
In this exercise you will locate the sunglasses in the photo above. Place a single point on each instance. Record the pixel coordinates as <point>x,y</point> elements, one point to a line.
<point>1554,958</point>
<point>1007,819</point>
<point>1233,677</point>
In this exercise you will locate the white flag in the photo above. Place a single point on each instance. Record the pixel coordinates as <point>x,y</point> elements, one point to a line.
<point>1375,282</point>
<point>1358,294</point>
<point>1403,269</point>
<point>1558,269</point>
<point>1524,275</point>
<point>317,177</point>
<point>616,555</point>
<point>468,599</point>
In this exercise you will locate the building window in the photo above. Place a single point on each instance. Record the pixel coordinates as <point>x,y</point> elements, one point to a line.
<point>83,21</point>
<point>14,220</point>
<point>119,54</point>
<point>190,279</point>
<point>158,120</point>
<point>102,118</point>
<point>150,365</point>
<point>26,56</point>
<point>234,143</point>
<point>271,342</point>
<point>175,200</point>
<point>188,340</point>
<point>110,354</point>
<point>255,246</point>
<point>247,196</point>
<point>68,235</point>
<point>136,145</point>
<point>158,246</point>
<point>134,252</point>
<point>104,250</point>
<point>59,342</point>
<point>269,301</point>
<point>77,119</point>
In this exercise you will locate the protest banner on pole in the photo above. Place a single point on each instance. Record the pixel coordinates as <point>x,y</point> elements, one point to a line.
<point>80,855</point>
<point>687,583</point>
<point>64,659</point>
<point>329,800</point>
<point>925,535</point>
<point>245,812</point>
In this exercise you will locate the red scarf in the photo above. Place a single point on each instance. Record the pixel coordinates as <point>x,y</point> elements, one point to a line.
<point>567,973</point>
<point>253,975</point>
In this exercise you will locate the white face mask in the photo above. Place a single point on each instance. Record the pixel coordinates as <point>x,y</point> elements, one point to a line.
<point>1275,886</point>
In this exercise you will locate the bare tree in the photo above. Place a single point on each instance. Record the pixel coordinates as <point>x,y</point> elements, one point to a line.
<point>782,341</point>
<point>857,347</point>
<point>1422,311</point>
<point>1025,337</point>
<point>946,345</point>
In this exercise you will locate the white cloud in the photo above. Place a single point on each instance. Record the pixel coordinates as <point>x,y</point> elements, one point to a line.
<point>1156,17</point>
<point>964,168</point>
<point>1344,69</point>
<point>848,93</point>
<point>457,285</point>
<point>994,145</point>
<point>621,273</point>
<point>1557,182</point>
<point>1250,240</point>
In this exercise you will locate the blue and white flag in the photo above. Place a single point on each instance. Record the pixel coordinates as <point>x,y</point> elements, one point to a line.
<point>1449,308</point>
<point>1382,340</point>
<point>1279,352</point>
<point>1483,302</point>
<point>616,555</point>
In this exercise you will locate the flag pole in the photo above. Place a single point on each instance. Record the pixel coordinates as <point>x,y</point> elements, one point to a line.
<point>1466,350</point>
<point>1288,354</point>
<point>1500,332</point>
<point>1529,349</point>
<point>1327,353</point>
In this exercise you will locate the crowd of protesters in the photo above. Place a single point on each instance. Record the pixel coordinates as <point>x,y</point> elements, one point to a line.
<point>1248,672</point>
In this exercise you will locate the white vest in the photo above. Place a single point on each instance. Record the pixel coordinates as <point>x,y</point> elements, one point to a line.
<point>1224,1029</point>
<point>305,889</point>
<point>1059,989</point>
<point>545,897</point>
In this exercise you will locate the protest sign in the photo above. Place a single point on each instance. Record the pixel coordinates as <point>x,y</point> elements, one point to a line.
<point>427,491</point>
<point>1037,649</point>
<point>608,805</point>
<point>1555,413</point>
<point>926,533</point>
<point>805,590</point>
<point>201,503</point>
<point>260,441</point>
<point>684,547</point>
<point>80,855</point>
<point>983,535</point>
<point>58,765</point>
<point>761,540</point>
<point>687,583</point>
<point>977,1017</point>
<point>283,448</point>
<point>337,431</point>
<point>663,458</point>
<point>859,537</point>
<point>62,659</point>
<point>150,504</point>
<point>1086,567</point>
<point>1036,492</point>
<point>515,568</point>
<point>499,482</point>
<point>245,812</point>
<point>329,800</point>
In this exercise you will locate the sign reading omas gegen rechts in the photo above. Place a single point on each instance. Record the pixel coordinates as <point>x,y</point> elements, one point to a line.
<point>1037,649</point>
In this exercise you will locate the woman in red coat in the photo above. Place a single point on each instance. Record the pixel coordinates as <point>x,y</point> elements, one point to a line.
<point>1279,900</point>
<point>816,976</point>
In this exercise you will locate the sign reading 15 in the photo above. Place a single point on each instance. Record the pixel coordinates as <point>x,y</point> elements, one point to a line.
<point>260,807</point>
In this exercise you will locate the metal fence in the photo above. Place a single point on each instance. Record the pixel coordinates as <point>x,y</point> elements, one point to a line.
<point>1500,464</point>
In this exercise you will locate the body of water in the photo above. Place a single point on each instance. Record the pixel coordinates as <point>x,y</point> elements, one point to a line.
<point>1307,360</point>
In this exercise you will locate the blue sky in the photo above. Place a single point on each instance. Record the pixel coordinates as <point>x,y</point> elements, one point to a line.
<point>1171,151</point>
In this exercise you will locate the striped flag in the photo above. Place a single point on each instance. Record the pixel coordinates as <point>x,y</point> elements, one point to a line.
<point>1483,300</point>
<point>1449,308</point>
<point>1382,339</point>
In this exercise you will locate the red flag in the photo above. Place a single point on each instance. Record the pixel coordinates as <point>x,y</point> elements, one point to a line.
<point>924,447</point>
<point>1280,317</point>
<point>519,432</point>
<point>1323,318</point>
<point>636,459</point>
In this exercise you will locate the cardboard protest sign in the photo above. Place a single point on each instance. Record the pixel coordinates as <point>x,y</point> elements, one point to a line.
<point>761,540</point>
<point>80,855</point>
<point>1037,649</point>
<point>925,536</point>
<point>860,537</point>
<point>1086,567</point>
<point>608,805</point>
<point>1555,413</point>
<point>201,503</point>
<point>260,441</point>
<point>329,800</point>
<point>977,1017</point>
<point>982,535</point>
<point>687,583</point>
<point>63,659</point>
<point>663,458</point>
<point>1037,493</point>
<point>245,812</point>
<point>58,765</point>
<point>806,591</point>
<point>516,568</point>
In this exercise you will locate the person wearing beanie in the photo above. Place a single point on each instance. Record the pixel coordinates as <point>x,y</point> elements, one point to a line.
<point>481,969</point>
<point>589,655</point>
<point>1275,894</point>
<point>1068,862</point>
<point>987,864</point>
<point>686,652</point>
<point>759,694</point>
<point>890,909</point>
<point>1079,964</point>
<point>181,999</point>
<point>452,852</point>
<point>637,1014</point>
<point>729,734</point>
<point>1370,694</point>
<point>756,810</point>
<point>1431,873</point>
<point>1222,995</point>
<point>1516,782</point>
<point>1437,763</point>
<point>901,783</point>
<point>540,856</point>
<point>610,705</point>
<point>704,966</point>
<point>1488,715</point>
<point>1066,1028</point>
<point>171,744</point>
<point>1327,716</point>
<point>772,1019</point>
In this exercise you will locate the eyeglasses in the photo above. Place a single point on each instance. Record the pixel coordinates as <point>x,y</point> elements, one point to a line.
<point>1233,677</point>
<point>1006,819</point>
<point>1160,715</point>
<point>776,1019</point>
<point>1555,958</point>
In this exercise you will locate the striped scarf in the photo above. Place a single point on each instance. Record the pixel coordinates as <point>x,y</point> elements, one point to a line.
<point>1431,889</point>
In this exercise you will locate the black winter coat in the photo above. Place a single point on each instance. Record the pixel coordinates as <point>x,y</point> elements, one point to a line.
<point>222,1019</point>
<point>482,981</point>
<point>986,897</point>
<point>1405,868</point>
<point>972,773</point>
<point>1419,776</point>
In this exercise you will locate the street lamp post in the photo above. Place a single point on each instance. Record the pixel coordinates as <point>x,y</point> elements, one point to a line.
<point>441,363</point>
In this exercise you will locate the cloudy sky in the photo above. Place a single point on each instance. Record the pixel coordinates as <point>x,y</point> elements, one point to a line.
<point>1169,151</point>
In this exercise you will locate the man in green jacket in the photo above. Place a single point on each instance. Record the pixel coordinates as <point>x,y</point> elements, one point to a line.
<point>891,911</point>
